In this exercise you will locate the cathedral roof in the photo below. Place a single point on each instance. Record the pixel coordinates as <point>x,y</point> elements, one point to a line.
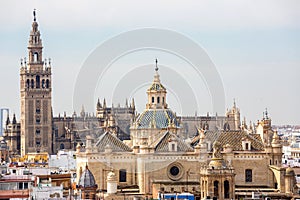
<point>87,179</point>
<point>109,140</point>
<point>156,118</point>
<point>233,138</point>
<point>162,143</point>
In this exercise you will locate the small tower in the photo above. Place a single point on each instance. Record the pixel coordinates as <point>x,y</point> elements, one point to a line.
<point>277,149</point>
<point>156,93</point>
<point>264,128</point>
<point>87,184</point>
<point>233,117</point>
<point>112,183</point>
<point>217,180</point>
<point>36,97</point>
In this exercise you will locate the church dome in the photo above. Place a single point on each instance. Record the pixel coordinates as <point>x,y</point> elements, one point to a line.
<point>87,179</point>
<point>217,163</point>
<point>157,118</point>
<point>289,171</point>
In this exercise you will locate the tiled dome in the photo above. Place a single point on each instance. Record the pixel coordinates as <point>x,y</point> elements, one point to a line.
<point>156,118</point>
<point>87,179</point>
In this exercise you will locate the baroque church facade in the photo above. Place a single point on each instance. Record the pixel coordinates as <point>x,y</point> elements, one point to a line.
<point>154,152</point>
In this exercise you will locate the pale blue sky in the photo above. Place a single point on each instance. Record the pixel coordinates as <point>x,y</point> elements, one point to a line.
<point>255,46</point>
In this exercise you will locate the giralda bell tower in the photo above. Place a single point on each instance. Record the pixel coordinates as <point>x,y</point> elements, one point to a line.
<point>36,92</point>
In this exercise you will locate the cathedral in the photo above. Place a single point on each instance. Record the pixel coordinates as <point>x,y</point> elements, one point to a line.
<point>157,159</point>
<point>151,153</point>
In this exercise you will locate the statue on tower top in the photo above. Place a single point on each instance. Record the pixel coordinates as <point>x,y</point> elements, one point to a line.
<point>34,15</point>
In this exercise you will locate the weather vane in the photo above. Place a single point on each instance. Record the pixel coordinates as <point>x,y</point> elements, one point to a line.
<point>156,68</point>
<point>34,18</point>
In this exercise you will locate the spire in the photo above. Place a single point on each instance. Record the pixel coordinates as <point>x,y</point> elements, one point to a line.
<point>35,44</point>
<point>234,104</point>
<point>156,93</point>
<point>14,121</point>
<point>7,120</point>
<point>98,104</point>
<point>132,103</point>
<point>104,103</point>
<point>82,113</point>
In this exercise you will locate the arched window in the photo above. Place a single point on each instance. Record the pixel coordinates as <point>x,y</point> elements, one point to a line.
<point>226,126</point>
<point>43,83</point>
<point>226,189</point>
<point>152,99</point>
<point>122,175</point>
<point>216,188</point>
<point>38,119</point>
<point>35,57</point>
<point>62,146</point>
<point>27,83</point>
<point>37,81</point>
<point>47,83</point>
<point>158,99</point>
<point>248,175</point>
<point>38,131</point>
<point>163,100</point>
<point>32,83</point>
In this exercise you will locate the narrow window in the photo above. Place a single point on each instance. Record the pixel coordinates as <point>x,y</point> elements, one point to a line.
<point>32,83</point>
<point>152,99</point>
<point>248,175</point>
<point>226,189</point>
<point>27,83</point>
<point>122,175</point>
<point>157,99</point>
<point>35,57</point>
<point>37,81</point>
<point>47,83</point>
<point>216,188</point>
<point>38,119</point>
<point>173,147</point>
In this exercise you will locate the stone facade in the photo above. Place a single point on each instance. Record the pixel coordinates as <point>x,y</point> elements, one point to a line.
<point>36,97</point>
<point>156,159</point>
